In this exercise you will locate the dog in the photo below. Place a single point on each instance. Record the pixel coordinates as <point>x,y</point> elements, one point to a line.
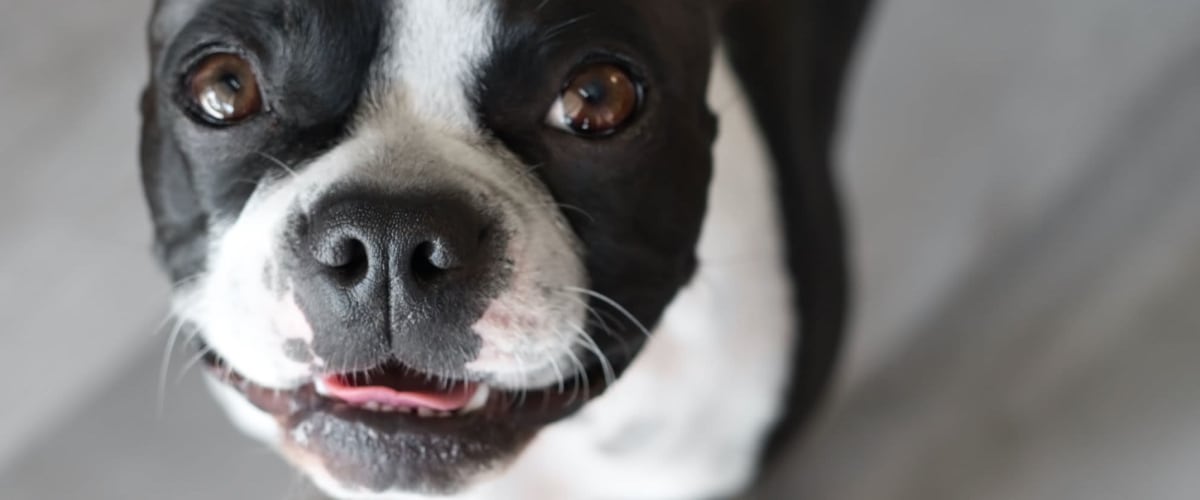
<point>452,248</point>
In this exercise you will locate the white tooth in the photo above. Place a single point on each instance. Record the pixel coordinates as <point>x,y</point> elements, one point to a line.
<point>387,409</point>
<point>372,406</point>
<point>479,400</point>
<point>443,414</point>
<point>319,385</point>
<point>425,412</point>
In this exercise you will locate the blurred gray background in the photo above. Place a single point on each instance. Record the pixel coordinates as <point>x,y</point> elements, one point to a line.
<point>1025,180</point>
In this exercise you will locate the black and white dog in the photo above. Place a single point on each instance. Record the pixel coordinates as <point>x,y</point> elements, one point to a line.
<point>419,239</point>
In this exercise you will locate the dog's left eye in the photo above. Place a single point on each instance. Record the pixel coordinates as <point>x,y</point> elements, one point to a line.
<point>597,100</point>
<point>223,89</point>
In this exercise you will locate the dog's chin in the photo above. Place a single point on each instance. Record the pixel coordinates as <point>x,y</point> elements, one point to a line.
<point>430,438</point>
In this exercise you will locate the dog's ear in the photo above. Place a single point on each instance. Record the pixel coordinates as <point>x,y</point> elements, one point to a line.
<point>792,56</point>
<point>179,223</point>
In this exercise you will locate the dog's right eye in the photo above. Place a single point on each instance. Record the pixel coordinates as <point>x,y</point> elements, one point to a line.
<point>223,89</point>
<point>596,101</point>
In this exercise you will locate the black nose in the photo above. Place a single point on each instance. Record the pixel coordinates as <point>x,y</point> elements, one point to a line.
<point>396,243</point>
<point>405,275</point>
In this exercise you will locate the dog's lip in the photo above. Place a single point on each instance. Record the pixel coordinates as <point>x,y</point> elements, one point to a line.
<point>388,450</point>
<point>527,407</point>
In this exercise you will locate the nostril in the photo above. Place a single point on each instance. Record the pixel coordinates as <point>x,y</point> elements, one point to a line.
<point>430,261</point>
<point>403,246</point>
<point>350,262</point>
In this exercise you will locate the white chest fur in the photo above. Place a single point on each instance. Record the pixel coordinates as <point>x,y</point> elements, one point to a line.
<point>687,420</point>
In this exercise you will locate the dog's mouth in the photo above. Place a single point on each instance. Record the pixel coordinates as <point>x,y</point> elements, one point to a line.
<point>394,428</point>
<point>395,389</point>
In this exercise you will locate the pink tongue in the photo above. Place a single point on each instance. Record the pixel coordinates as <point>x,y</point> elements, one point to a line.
<point>447,400</point>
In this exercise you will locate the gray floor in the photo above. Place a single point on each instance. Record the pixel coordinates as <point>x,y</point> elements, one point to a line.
<point>120,446</point>
<point>1025,180</point>
<point>79,297</point>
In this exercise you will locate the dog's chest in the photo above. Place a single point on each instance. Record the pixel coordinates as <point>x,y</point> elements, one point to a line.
<point>687,420</point>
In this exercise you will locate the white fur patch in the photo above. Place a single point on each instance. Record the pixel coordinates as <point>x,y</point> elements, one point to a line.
<point>231,306</point>
<point>436,50</point>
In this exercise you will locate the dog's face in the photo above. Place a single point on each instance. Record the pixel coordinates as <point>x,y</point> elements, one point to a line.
<point>411,233</point>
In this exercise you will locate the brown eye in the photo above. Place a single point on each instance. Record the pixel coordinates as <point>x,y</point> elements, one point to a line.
<point>597,101</point>
<point>224,90</point>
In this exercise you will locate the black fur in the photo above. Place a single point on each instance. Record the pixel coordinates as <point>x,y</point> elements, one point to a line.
<point>640,238</point>
<point>195,174</point>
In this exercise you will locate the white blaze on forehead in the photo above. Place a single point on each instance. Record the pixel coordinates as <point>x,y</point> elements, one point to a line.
<point>437,49</point>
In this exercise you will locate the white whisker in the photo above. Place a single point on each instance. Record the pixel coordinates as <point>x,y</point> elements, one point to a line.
<point>191,363</point>
<point>605,299</point>
<point>599,316</point>
<point>573,208</point>
<point>557,30</point>
<point>590,344</point>
<point>558,373</point>
<point>278,162</point>
<point>165,367</point>
<point>523,392</point>
<point>580,374</point>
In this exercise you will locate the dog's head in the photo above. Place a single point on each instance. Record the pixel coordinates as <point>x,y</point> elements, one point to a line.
<point>410,233</point>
